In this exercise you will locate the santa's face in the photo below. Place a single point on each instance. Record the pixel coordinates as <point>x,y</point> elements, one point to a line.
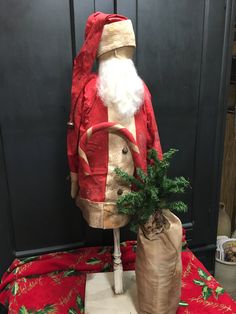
<point>120,86</point>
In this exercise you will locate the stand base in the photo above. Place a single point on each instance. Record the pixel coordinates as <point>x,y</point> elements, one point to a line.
<point>100,297</point>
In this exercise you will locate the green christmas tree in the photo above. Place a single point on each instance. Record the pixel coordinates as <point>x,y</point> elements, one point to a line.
<point>152,191</point>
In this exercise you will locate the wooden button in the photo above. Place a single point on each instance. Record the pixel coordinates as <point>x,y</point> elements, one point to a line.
<point>119,192</point>
<point>124,150</point>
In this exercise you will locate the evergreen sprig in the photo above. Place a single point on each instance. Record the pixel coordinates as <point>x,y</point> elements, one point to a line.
<point>151,191</point>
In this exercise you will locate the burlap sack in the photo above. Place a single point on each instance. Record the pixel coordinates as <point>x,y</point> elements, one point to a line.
<point>159,265</point>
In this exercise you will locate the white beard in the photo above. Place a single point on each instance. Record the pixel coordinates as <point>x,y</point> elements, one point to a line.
<point>119,86</point>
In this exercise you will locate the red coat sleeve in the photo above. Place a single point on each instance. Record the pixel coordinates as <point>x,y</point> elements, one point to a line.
<point>73,134</point>
<point>153,139</point>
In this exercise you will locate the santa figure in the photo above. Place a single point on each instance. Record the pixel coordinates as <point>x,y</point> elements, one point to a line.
<point>112,124</point>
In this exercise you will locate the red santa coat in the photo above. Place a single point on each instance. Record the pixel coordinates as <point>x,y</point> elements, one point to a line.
<point>99,191</point>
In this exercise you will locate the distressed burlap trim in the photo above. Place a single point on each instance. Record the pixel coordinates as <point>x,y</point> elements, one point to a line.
<point>116,35</point>
<point>103,215</point>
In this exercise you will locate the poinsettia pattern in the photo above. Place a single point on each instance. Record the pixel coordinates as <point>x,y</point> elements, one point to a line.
<point>210,286</point>
<point>55,282</point>
<point>49,308</point>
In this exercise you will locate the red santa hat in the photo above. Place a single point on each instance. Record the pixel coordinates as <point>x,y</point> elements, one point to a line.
<point>103,33</point>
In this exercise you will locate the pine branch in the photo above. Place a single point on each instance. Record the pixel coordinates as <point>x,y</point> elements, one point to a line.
<point>178,206</point>
<point>155,190</point>
<point>142,175</point>
<point>127,178</point>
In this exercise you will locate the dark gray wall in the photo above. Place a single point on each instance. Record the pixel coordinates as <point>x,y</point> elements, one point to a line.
<point>183,55</point>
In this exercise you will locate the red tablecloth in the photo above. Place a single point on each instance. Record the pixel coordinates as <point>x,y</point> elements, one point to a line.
<point>55,283</point>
